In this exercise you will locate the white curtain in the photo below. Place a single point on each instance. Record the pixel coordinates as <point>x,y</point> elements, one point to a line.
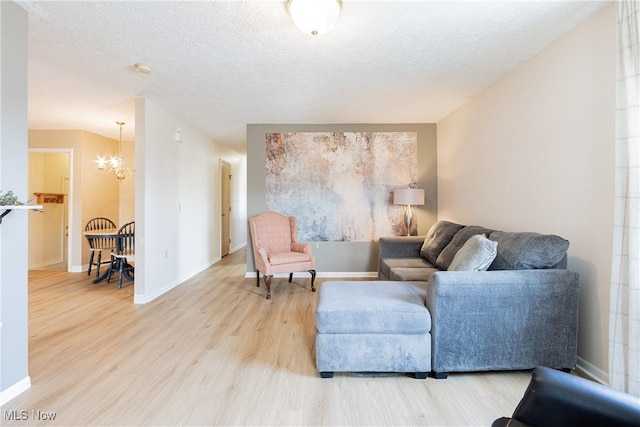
<point>624,312</point>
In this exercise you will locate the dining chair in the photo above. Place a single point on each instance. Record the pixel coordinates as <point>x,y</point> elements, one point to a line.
<point>99,244</point>
<point>276,248</point>
<point>124,253</point>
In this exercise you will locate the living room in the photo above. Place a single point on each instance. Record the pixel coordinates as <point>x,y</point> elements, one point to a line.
<point>533,151</point>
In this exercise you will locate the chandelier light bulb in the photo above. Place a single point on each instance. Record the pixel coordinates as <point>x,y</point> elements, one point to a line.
<point>116,162</point>
<point>102,162</point>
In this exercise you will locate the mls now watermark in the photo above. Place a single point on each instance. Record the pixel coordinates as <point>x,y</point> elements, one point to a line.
<point>25,415</point>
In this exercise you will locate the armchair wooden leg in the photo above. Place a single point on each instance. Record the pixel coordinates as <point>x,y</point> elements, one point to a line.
<point>313,278</point>
<point>267,281</point>
<point>257,278</point>
<point>290,277</point>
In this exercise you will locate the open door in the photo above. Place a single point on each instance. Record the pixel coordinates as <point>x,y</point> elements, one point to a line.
<point>225,208</point>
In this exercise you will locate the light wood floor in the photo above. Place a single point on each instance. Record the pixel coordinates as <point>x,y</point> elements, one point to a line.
<point>214,351</point>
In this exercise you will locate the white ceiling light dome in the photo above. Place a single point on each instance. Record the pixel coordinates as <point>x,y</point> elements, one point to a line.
<point>314,16</point>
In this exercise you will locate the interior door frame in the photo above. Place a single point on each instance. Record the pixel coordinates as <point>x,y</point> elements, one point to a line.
<point>70,237</point>
<point>224,164</point>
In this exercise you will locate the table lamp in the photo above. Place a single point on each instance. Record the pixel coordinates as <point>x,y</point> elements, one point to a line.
<point>409,197</point>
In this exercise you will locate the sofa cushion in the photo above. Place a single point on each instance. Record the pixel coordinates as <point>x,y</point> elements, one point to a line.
<point>437,238</point>
<point>412,274</point>
<point>522,251</point>
<point>461,237</point>
<point>372,307</point>
<point>476,254</point>
<point>387,264</point>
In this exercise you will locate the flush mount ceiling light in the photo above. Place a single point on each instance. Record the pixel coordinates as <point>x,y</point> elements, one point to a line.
<point>314,16</point>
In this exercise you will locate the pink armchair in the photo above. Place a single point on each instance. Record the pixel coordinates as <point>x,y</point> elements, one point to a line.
<point>276,248</point>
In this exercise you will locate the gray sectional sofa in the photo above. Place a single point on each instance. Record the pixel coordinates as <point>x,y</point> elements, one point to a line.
<point>521,313</point>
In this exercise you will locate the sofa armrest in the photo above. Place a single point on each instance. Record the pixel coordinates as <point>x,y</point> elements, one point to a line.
<point>400,247</point>
<point>507,319</point>
<point>556,398</point>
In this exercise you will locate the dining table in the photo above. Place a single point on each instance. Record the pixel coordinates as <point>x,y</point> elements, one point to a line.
<point>110,233</point>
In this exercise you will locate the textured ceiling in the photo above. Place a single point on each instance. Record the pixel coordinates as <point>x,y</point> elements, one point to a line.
<point>223,64</point>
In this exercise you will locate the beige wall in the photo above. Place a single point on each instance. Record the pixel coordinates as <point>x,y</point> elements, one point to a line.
<point>92,193</point>
<point>534,152</point>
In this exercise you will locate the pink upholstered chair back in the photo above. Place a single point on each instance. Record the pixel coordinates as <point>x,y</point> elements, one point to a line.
<point>273,232</point>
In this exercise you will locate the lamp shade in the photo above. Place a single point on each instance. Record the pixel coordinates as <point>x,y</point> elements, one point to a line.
<point>314,16</point>
<point>408,196</point>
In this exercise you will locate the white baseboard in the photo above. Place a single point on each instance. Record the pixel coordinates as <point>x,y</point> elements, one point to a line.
<point>592,372</point>
<point>144,298</point>
<point>237,248</point>
<point>335,274</point>
<point>72,269</point>
<point>348,274</point>
<point>16,389</point>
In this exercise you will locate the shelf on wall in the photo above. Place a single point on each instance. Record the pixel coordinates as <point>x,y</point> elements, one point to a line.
<point>8,208</point>
<point>49,197</point>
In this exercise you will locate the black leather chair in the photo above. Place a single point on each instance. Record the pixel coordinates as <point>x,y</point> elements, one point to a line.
<point>558,399</point>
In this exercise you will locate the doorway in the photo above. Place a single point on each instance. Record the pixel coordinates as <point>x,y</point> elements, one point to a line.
<point>225,208</point>
<point>49,185</point>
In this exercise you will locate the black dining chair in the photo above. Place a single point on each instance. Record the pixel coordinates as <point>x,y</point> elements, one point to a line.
<point>99,244</point>
<point>124,252</point>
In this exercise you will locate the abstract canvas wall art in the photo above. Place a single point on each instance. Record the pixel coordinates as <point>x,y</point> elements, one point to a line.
<point>339,184</point>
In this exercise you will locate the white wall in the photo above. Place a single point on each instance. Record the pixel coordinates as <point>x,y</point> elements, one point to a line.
<point>178,201</point>
<point>534,152</point>
<point>14,375</point>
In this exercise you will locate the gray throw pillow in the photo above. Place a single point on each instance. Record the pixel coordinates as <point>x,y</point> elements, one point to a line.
<point>524,251</point>
<point>461,237</point>
<point>476,254</point>
<point>437,238</point>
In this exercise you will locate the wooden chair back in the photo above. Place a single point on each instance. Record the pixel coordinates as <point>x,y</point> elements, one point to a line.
<point>100,223</point>
<point>127,239</point>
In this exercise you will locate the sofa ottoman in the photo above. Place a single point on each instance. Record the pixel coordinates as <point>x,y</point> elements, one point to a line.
<point>372,326</point>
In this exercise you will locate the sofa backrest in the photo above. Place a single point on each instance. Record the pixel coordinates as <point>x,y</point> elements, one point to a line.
<point>438,237</point>
<point>516,250</point>
<point>526,251</point>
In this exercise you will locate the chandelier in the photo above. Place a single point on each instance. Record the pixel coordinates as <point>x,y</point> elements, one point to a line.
<point>115,163</point>
<point>314,16</point>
